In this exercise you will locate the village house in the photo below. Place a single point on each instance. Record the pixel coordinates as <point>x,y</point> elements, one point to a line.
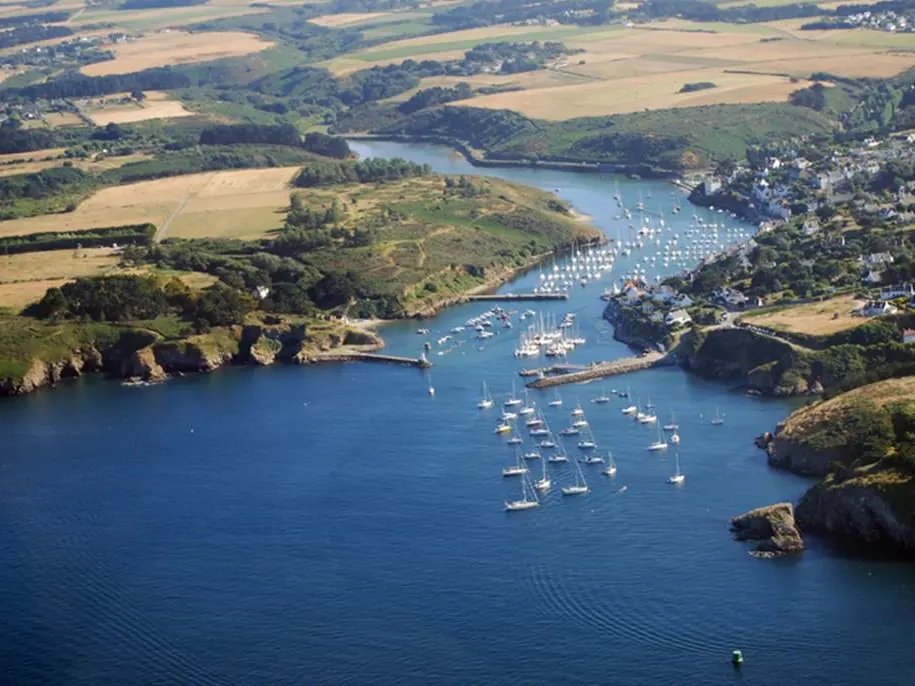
<point>683,300</point>
<point>876,308</point>
<point>677,318</point>
<point>663,294</point>
<point>711,184</point>
<point>873,276</point>
<point>876,259</point>
<point>908,336</point>
<point>899,290</point>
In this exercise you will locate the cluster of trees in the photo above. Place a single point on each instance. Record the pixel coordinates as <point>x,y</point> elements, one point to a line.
<point>698,86</point>
<point>41,184</point>
<point>14,139</point>
<point>36,18</point>
<point>133,234</point>
<point>514,57</point>
<point>76,85</point>
<point>30,33</point>
<point>230,134</point>
<point>813,97</point>
<point>367,171</point>
<point>125,298</point>
<point>302,217</point>
<point>328,146</point>
<point>427,97</point>
<point>699,10</point>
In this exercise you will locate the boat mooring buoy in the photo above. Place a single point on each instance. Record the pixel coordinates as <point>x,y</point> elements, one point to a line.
<point>737,658</point>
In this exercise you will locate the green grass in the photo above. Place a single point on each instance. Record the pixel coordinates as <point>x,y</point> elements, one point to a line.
<point>396,30</point>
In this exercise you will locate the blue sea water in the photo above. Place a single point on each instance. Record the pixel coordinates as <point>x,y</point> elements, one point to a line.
<point>337,525</point>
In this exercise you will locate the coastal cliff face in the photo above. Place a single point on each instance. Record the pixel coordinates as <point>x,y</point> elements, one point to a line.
<point>41,373</point>
<point>152,362</point>
<point>795,456</point>
<point>760,362</point>
<point>866,508</point>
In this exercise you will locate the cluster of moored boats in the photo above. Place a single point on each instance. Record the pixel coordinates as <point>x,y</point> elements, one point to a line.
<point>549,448</point>
<point>550,338</point>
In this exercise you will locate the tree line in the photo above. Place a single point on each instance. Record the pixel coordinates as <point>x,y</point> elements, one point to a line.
<point>366,171</point>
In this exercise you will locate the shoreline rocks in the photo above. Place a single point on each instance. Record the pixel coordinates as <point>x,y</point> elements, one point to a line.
<point>774,528</point>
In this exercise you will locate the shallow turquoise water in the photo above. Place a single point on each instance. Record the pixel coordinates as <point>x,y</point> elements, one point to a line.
<point>335,524</point>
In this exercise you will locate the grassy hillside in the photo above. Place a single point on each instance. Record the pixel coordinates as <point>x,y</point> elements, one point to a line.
<point>664,140</point>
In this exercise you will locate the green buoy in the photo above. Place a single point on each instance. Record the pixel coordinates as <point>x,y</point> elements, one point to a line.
<point>737,658</point>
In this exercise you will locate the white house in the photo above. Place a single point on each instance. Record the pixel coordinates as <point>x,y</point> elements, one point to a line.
<point>711,185</point>
<point>677,318</point>
<point>260,292</point>
<point>633,294</point>
<point>908,336</point>
<point>875,308</point>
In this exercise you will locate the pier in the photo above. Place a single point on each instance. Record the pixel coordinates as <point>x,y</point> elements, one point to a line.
<point>352,356</point>
<point>517,297</point>
<point>602,369</point>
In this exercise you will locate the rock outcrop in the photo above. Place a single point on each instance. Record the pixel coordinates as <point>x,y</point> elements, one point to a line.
<point>860,509</point>
<point>773,526</point>
<point>143,365</point>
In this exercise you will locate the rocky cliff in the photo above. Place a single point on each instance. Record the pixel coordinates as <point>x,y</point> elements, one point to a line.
<point>761,363</point>
<point>141,357</point>
<point>869,506</point>
<point>773,527</point>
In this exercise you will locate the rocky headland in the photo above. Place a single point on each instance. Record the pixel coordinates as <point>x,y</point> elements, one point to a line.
<point>859,444</point>
<point>773,527</point>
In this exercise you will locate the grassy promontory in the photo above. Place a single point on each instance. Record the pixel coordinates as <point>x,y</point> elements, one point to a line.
<point>862,444</point>
<point>389,249</point>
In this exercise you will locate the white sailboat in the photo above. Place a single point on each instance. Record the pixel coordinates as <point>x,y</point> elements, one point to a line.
<point>528,499</point>
<point>593,458</point>
<point>587,442</point>
<point>486,402</point>
<point>527,409</point>
<point>673,426</point>
<point>577,412</point>
<point>516,469</point>
<point>659,444</point>
<point>580,487</point>
<point>515,440</point>
<point>718,420</point>
<point>610,470</point>
<point>431,387</point>
<point>678,477</point>
<point>602,399</point>
<point>544,482</point>
<point>647,417</point>
<point>675,438</point>
<point>557,401</point>
<point>513,399</point>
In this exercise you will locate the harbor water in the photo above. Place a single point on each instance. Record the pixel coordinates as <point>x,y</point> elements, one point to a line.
<point>338,524</point>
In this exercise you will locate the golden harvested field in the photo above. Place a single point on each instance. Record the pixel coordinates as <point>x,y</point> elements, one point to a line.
<point>345,18</point>
<point>55,119</point>
<point>25,278</point>
<point>629,70</point>
<point>19,295</point>
<point>816,319</point>
<point>176,47</point>
<point>56,264</point>
<point>123,114</point>
<point>245,204</point>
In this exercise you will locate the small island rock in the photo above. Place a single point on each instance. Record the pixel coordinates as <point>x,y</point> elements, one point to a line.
<point>773,526</point>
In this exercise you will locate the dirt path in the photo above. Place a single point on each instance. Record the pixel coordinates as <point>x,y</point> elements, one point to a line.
<point>179,208</point>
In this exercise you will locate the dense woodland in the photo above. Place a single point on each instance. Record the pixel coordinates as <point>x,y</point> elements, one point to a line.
<point>31,33</point>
